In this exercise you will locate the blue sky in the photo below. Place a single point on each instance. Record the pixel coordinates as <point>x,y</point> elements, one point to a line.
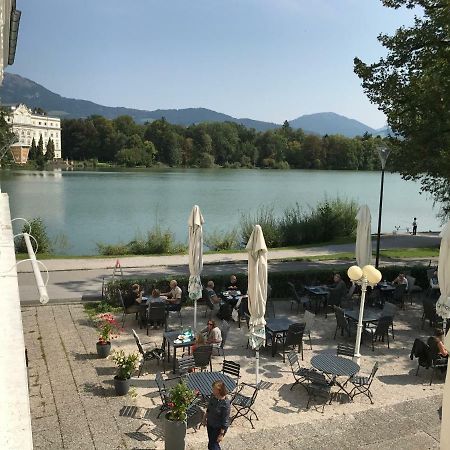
<point>263,59</point>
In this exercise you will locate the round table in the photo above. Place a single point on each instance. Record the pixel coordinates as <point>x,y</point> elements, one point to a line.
<point>203,381</point>
<point>334,365</point>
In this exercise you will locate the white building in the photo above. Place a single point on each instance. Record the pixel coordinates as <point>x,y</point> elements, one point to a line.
<point>27,126</point>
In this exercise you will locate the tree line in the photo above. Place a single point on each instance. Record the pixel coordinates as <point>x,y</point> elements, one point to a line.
<point>225,144</point>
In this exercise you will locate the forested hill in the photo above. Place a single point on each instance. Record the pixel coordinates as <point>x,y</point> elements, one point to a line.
<point>16,89</point>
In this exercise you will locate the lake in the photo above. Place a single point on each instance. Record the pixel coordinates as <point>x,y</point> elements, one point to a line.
<point>111,207</point>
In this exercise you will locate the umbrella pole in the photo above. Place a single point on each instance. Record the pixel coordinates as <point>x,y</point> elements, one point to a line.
<point>257,367</point>
<point>357,356</point>
<point>195,315</point>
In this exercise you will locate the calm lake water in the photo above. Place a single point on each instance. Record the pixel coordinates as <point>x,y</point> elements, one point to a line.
<point>112,207</point>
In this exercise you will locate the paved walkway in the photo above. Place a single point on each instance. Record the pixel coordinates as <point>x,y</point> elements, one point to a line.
<point>73,404</point>
<point>80,279</point>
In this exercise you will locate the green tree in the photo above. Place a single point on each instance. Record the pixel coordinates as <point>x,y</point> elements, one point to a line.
<point>32,154</point>
<point>50,152</point>
<point>7,137</point>
<point>411,85</point>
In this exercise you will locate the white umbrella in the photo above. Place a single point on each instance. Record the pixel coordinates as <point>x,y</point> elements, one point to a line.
<point>443,309</point>
<point>195,257</point>
<point>257,290</point>
<point>363,248</point>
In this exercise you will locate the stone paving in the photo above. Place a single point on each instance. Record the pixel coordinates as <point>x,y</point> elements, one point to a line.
<point>74,405</point>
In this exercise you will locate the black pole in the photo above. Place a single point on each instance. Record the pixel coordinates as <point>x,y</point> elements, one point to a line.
<point>379,219</point>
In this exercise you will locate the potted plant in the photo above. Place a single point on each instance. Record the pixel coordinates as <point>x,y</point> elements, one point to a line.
<point>108,329</point>
<point>180,398</point>
<point>126,364</point>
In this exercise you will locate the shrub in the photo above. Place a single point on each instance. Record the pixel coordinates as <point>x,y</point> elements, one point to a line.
<point>39,232</point>
<point>269,224</point>
<point>222,240</point>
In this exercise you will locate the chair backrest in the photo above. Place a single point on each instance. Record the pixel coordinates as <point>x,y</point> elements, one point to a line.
<point>309,321</point>
<point>345,350</point>
<point>232,368</point>
<point>411,283</point>
<point>429,309</point>
<point>202,355</point>
<point>161,386</point>
<point>294,334</point>
<point>138,342</point>
<point>157,312</point>
<point>351,291</point>
<point>207,298</point>
<point>399,291</point>
<point>383,325</point>
<point>186,363</point>
<point>293,292</point>
<point>389,309</point>
<point>293,361</point>
<point>374,371</point>
<point>340,317</point>
<point>433,347</point>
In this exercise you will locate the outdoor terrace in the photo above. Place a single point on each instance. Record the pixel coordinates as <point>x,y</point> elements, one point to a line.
<point>73,403</point>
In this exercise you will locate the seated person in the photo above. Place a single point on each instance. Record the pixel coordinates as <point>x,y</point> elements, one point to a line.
<point>156,297</point>
<point>439,338</point>
<point>199,341</point>
<point>213,297</point>
<point>133,300</point>
<point>154,301</point>
<point>233,284</point>
<point>401,279</point>
<point>213,334</point>
<point>173,296</point>
<point>337,291</point>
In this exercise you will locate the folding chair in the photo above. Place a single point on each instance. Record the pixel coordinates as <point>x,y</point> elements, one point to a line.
<point>345,350</point>
<point>362,384</point>
<point>244,403</point>
<point>300,373</point>
<point>147,355</point>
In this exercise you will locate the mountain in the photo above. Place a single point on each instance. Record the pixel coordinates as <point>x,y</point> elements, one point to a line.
<point>17,89</point>
<point>331,123</point>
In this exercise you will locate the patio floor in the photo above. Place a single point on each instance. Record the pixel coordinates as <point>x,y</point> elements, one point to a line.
<point>74,405</point>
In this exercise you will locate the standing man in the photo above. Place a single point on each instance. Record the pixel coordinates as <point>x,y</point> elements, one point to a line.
<point>414,225</point>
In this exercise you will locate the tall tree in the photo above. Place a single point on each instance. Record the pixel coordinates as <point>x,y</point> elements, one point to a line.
<point>50,152</point>
<point>411,85</point>
<point>32,154</point>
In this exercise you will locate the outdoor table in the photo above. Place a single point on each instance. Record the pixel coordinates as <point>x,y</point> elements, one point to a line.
<point>277,326</point>
<point>335,366</point>
<point>317,294</point>
<point>169,338</point>
<point>231,297</point>
<point>203,381</point>
<point>369,315</point>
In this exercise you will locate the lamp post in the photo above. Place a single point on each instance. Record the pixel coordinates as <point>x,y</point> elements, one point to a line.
<point>383,153</point>
<point>367,276</point>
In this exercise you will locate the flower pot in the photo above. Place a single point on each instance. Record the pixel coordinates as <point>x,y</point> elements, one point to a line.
<point>174,434</point>
<point>103,349</point>
<point>122,386</point>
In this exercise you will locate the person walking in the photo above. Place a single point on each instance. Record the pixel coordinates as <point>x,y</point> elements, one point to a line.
<point>217,415</point>
<point>414,225</point>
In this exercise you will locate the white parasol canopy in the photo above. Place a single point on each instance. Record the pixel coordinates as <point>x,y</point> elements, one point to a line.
<point>195,223</point>
<point>363,248</point>
<point>443,309</point>
<point>257,290</point>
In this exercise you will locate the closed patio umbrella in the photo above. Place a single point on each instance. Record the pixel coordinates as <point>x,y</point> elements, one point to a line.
<point>195,257</point>
<point>363,247</point>
<point>257,290</point>
<point>443,309</point>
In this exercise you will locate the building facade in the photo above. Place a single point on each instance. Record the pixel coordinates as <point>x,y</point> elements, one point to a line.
<point>27,126</point>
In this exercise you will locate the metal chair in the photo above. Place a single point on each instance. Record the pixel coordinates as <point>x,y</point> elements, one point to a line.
<point>398,296</point>
<point>345,350</point>
<point>297,297</point>
<point>437,361</point>
<point>318,385</point>
<point>231,368</point>
<point>186,364</point>
<point>224,329</point>
<point>133,309</point>
<point>412,288</point>
<point>300,373</point>
<point>389,309</point>
<point>147,355</point>
<point>429,313</point>
<point>309,322</point>
<point>244,403</point>
<point>202,357</point>
<point>293,337</point>
<point>341,322</point>
<point>162,393</point>
<point>380,331</point>
<point>362,384</point>
<point>156,313</point>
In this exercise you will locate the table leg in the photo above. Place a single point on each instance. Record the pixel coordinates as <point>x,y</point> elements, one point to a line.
<point>273,344</point>
<point>174,358</point>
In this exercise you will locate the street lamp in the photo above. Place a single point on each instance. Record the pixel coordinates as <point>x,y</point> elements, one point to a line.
<point>383,153</point>
<point>367,276</point>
